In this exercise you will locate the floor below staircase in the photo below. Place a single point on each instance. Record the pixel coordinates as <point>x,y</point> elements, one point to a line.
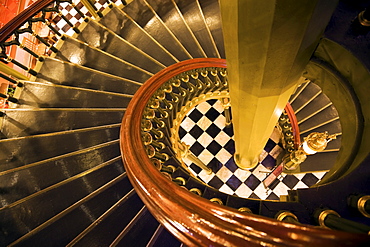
<point>204,130</point>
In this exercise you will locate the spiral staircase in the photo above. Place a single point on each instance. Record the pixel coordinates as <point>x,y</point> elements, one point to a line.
<point>63,182</point>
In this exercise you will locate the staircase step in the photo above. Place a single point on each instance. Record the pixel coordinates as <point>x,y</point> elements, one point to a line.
<point>115,219</point>
<point>139,231</point>
<point>145,16</point>
<point>30,121</point>
<point>98,36</point>
<point>327,115</point>
<point>123,25</point>
<point>71,74</point>
<point>77,52</point>
<point>52,171</point>
<point>310,93</point>
<point>56,198</point>
<point>319,162</point>
<point>211,12</point>
<point>76,218</point>
<point>17,152</point>
<point>162,238</point>
<point>314,107</point>
<point>194,16</point>
<point>174,20</point>
<point>42,95</point>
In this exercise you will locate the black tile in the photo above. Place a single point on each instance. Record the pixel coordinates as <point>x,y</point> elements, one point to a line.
<point>196,148</point>
<point>269,145</point>
<point>252,182</point>
<point>196,131</point>
<point>268,162</point>
<point>68,7</point>
<point>272,196</point>
<point>195,168</point>
<point>214,147</point>
<point>215,182</point>
<point>274,184</point>
<point>229,130</point>
<point>230,146</point>
<point>212,101</point>
<point>290,181</point>
<point>213,130</point>
<point>254,196</point>
<point>66,28</point>
<point>212,114</point>
<point>182,132</point>
<point>230,164</point>
<point>215,165</point>
<point>233,182</point>
<point>195,115</point>
<point>309,179</point>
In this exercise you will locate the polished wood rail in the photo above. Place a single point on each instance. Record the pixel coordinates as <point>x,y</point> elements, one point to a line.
<point>192,219</point>
<point>21,18</point>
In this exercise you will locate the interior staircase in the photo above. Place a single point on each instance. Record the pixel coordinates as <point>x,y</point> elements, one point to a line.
<point>62,179</point>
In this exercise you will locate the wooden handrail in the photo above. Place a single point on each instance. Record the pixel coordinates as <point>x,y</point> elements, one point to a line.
<point>194,220</point>
<point>21,18</point>
<point>294,123</point>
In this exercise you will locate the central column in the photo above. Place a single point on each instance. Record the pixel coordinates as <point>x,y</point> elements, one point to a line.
<point>268,43</point>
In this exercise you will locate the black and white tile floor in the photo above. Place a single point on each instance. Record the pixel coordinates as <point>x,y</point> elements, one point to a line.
<point>73,16</point>
<point>204,130</point>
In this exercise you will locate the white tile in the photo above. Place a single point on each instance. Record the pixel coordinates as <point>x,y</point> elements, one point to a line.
<point>261,172</point>
<point>188,139</point>
<point>205,176</point>
<point>205,156</point>
<point>218,106</point>
<point>281,189</point>
<point>226,189</point>
<point>275,136</point>
<point>204,123</point>
<point>203,107</point>
<point>223,156</point>
<point>242,174</point>
<point>224,174</point>
<point>187,124</point>
<point>319,175</point>
<point>262,156</point>
<point>220,121</point>
<point>300,185</point>
<point>205,139</point>
<point>261,191</point>
<point>243,191</point>
<point>276,151</point>
<point>222,138</point>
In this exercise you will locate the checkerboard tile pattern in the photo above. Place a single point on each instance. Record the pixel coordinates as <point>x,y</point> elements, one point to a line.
<point>204,130</point>
<point>74,17</point>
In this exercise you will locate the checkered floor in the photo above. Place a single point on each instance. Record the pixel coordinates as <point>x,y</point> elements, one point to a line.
<point>74,17</point>
<point>204,130</point>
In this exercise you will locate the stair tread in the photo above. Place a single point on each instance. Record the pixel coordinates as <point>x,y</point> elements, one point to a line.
<point>20,151</point>
<point>143,14</point>
<point>123,25</point>
<point>70,74</point>
<point>50,95</point>
<point>78,52</point>
<point>71,191</point>
<point>195,18</point>
<point>24,122</point>
<point>81,215</point>
<point>173,18</point>
<point>100,37</point>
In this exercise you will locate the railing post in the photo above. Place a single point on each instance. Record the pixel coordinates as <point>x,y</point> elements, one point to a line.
<point>268,44</point>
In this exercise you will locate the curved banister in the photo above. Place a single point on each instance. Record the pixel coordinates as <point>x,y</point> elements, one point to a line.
<point>21,18</point>
<point>294,123</point>
<point>195,220</point>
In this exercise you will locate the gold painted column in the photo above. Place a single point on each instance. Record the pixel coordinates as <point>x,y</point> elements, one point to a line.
<point>268,43</point>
